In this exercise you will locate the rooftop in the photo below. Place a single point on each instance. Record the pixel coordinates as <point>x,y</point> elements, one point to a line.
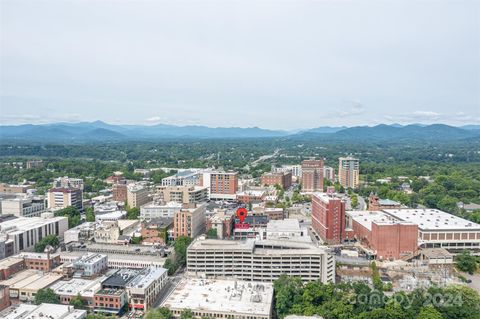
<point>84,287</point>
<point>48,311</point>
<point>121,277</point>
<point>146,277</point>
<point>432,219</point>
<point>31,280</point>
<point>366,218</point>
<point>22,224</point>
<point>286,225</point>
<point>90,258</point>
<point>227,296</point>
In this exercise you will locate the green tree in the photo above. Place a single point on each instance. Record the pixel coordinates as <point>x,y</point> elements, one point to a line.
<point>180,247</point>
<point>212,233</point>
<point>46,295</point>
<point>429,312</point>
<point>186,314</point>
<point>159,313</point>
<point>89,214</point>
<point>133,213</point>
<point>51,240</point>
<point>77,302</point>
<point>137,240</point>
<point>466,262</point>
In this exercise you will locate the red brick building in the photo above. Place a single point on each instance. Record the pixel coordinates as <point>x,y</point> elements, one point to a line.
<point>41,261</point>
<point>250,196</point>
<point>283,179</point>
<point>10,266</point>
<point>223,185</point>
<point>328,217</point>
<point>312,176</point>
<point>109,300</point>
<point>119,192</point>
<point>4,297</point>
<point>386,237</point>
<point>375,203</point>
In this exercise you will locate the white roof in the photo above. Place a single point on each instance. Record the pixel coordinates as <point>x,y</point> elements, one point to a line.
<point>146,277</point>
<point>249,298</point>
<point>73,287</point>
<point>22,224</point>
<point>366,218</point>
<point>286,225</point>
<point>53,311</point>
<point>433,219</point>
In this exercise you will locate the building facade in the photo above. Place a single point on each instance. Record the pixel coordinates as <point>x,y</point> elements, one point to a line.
<point>349,172</point>
<point>284,179</point>
<point>189,222</point>
<point>259,260</point>
<point>328,217</point>
<point>137,196</point>
<point>222,185</point>
<point>312,176</point>
<point>59,198</point>
<point>119,192</point>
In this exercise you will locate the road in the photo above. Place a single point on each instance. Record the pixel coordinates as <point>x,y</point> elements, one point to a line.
<point>265,157</point>
<point>362,205</point>
<point>168,289</point>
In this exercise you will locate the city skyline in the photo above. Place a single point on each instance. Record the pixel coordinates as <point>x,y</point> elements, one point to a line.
<point>240,64</point>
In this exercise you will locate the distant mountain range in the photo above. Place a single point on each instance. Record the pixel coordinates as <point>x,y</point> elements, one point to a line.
<point>102,132</point>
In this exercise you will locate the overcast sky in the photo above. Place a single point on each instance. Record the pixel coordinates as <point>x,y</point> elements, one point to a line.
<point>272,64</point>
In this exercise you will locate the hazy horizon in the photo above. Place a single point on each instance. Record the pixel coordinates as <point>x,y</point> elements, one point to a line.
<point>274,65</point>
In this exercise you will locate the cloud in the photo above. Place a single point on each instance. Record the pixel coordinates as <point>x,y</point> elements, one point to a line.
<point>352,108</point>
<point>458,118</point>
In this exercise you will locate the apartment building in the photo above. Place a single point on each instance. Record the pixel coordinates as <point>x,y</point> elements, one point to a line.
<point>349,172</point>
<point>222,185</point>
<point>328,217</point>
<point>259,260</point>
<point>284,179</point>
<point>119,192</point>
<point>189,222</point>
<point>183,194</point>
<point>329,173</point>
<point>312,175</point>
<point>59,198</point>
<point>34,164</point>
<point>68,182</point>
<point>137,195</point>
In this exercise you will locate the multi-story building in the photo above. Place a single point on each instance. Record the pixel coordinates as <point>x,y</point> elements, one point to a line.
<point>328,217</point>
<point>440,229</point>
<point>68,182</point>
<point>143,290</point>
<point>155,231</point>
<point>312,175</point>
<point>4,297</point>
<point>295,169</point>
<point>159,210</point>
<point>137,195</point>
<point>25,232</point>
<point>119,192</point>
<point>85,288</point>
<point>284,179</point>
<point>222,185</point>
<point>375,203</point>
<point>91,264</point>
<point>383,237</point>
<point>111,301</point>
<point>329,173</point>
<point>44,310</point>
<point>251,196</point>
<point>349,172</point>
<point>8,188</point>
<point>10,266</point>
<point>259,260</point>
<point>59,198</point>
<point>183,194</point>
<point>82,232</point>
<point>34,164</point>
<point>24,285</point>
<point>223,299</point>
<point>40,261</point>
<point>287,229</point>
<point>189,222</point>
<point>183,178</point>
<point>223,223</point>
<point>24,206</point>
<point>253,226</point>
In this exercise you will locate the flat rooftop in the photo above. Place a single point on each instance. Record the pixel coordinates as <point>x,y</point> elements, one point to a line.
<point>286,225</point>
<point>433,219</point>
<point>366,218</point>
<point>31,280</point>
<point>53,311</point>
<point>22,224</point>
<point>146,277</point>
<point>90,258</point>
<point>32,255</point>
<point>228,296</point>
<point>9,261</point>
<point>112,257</point>
<point>73,287</point>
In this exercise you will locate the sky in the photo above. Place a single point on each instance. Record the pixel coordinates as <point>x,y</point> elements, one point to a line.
<point>272,64</point>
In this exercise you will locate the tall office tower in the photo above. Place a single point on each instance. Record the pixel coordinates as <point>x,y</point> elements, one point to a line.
<point>312,176</point>
<point>65,197</point>
<point>349,172</point>
<point>328,217</point>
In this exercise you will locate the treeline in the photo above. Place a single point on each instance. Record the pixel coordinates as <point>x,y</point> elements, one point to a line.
<point>359,301</point>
